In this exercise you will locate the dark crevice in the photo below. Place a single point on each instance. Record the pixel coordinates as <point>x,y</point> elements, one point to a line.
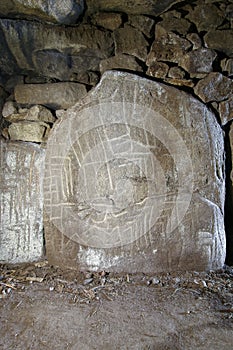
<point>228,199</point>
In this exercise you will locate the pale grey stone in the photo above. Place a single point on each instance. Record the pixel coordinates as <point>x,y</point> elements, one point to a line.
<point>21,193</point>
<point>57,95</point>
<point>134,181</point>
<point>214,87</point>
<point>9,108</point>
<point>62,12</point>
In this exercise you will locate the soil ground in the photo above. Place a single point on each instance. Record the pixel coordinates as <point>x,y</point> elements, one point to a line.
<point>43,307</point>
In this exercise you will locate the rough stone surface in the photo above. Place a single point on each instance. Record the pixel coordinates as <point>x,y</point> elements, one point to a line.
<point>29,131</point>
<point>168,47</point>
<point>62,12</point>
<point>220,40</point>
<point>142,23</point>
<point>125,42</point>
<point>158,70</point>
<point>226,110</point>
<point>132,196</point>
<point>214,87</point>
<point>53,51</point>
<point>35,113</point>
<point>176,73</point>
<point>107,20</point>
<point>58,95</point>
<point>206,16</point>
<point>120,61</point>
<point>174,24</point>
<point>21,192</point>
<point>198,62</point>
<point>136,7</point>
<point>8,109</point>
<point>195,40</point>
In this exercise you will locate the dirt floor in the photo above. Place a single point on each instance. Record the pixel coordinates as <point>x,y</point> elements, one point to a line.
<point>43,307</point>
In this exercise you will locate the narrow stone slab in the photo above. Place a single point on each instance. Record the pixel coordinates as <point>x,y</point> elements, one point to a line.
<point>21,194</point>
<point>134,177</point>
<point>57,95</point>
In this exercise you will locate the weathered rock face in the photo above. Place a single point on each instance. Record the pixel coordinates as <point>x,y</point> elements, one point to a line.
<point>129,180</point>
<point>21,192</point>
<point>63,12</point>
<point>215,87</point>
<point>52,51</point>
<point>149,7</point>
<point>59,95</point>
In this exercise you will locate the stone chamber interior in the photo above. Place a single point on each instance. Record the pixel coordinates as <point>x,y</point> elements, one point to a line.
<point>54,59</point>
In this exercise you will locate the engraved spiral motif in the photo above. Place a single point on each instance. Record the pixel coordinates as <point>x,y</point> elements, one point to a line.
<point>113,173</point>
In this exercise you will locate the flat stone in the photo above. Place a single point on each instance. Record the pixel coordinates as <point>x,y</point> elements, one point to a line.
<point>220,40</point>
<point>107,20</point>
<point>54,51</point>
<point>174,24</point>
<point>29,131</point>
<point>136,7</point>
<point>132,182</point>
<point>214,87</point>
<point>168,47</point>
<point>198,62</point>
<point>65,12</point>
<point>57,95</point>
<point>142,23</point>
<point>21,192</point>
<point>206,16</point>
<point>120,61</point>
<point>130,41</point>
<point>226,110</point>
<point>179,82</point>
<point>158,70</point>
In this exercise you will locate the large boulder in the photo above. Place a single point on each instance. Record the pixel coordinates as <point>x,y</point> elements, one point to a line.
<point>62,12</point>
<point>52,51</point>
<point>21,194</point>
<point>134,181</point>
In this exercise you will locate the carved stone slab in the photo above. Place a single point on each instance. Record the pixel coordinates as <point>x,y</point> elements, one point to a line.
<point>21,195</point>
<point>134,181</point>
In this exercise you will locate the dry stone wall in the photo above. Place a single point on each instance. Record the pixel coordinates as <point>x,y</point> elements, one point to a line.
<point>51,56</point>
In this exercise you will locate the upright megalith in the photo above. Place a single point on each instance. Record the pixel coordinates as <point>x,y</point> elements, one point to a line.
<point>134,180</point>
<point>21,198</point>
